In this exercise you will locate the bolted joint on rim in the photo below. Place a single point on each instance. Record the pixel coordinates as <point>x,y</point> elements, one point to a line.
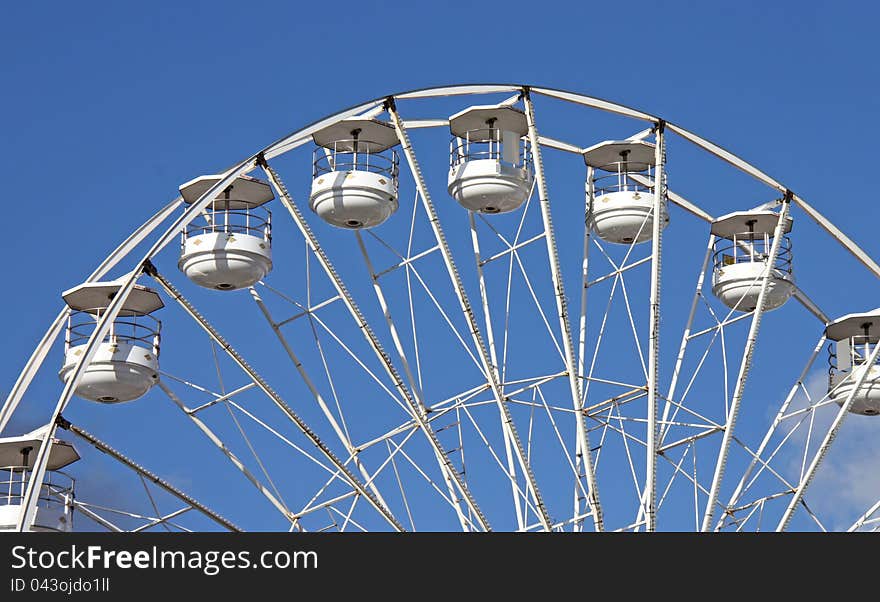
<point>149,269</point>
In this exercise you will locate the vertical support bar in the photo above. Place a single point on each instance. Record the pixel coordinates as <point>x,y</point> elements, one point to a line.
<point>582,326</point>
<point>468,312</point>
<point>745,365</point>
<point>490,336</point>
<point>667,407</point>
<point>562,313</point>
<point>676,372</point>
<point>650,493</point>
<point>827,441</point>
<point>589,197</point>
<point>363,325</point>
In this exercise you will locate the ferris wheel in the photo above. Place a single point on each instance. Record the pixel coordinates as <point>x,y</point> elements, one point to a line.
<point>444,309</point>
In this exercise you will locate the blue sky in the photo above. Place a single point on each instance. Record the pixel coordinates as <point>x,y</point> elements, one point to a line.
<point>108,107</point>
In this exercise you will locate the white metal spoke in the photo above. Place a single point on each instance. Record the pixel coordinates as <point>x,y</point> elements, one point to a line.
<point>280,403</point>
<point>504,371</point>
<point>275,501</point>
<point>468,312</point>
<point>450,475</point>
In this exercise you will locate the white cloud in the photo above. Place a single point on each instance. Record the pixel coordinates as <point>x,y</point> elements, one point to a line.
<point>848,482</point>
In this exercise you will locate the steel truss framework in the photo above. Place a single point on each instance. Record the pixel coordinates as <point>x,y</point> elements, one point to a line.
<point>493,404</point>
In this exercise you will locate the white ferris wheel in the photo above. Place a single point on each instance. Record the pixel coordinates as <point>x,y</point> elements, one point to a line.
<point>455,318</point>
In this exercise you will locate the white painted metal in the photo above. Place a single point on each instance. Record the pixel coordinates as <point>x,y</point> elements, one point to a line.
<point>865,518</point>
<point>244,193</point>
<point>459,90</point>
<point>810,305</point>
<point>487,173</point>
<point>639,154</point>
<point>866,400</point>
<point>838,235</point>
<point>354,199</point>
<point>353,185</point>
<point>642,134</point>
<point>373,341</point>
<point>475,119</point>
<point>675,198</point>
<point>464,302</point>
<point>751,170</point>
<point>622,212</point>
<point>560,145</point>
<point>596,103</point>
<point>78,371</point>
<point>762,222</point>
<point>213,438</point>
<point>564,325</point>
<point>625,217</point>
<point>304,135</point>
<point>93,297</point>
<point>20,451</point>
<point>420,410</point>
<point>54,516</point>
<point>152,477</point>
<point>103,327</point>
<point>737,286</point>
<point>654,334</point>
<point>299,137</point>
<point>727,156</point>
<point>855,335</point>
<point>279,402</point>
<point>226,261</point>
<point>489,186</point>
<point>490,339</point>
<point>125,366</point>
<point>685,338</point>
<point>739,265</point>
<point>118,372</point>
<point>233,249</point>
<point>745,365</point>
<point>355,135</point>
<point>582,331</point>
<point>417,124</point>
<point>42,349</point>
<point>851,325</point>
<point>340,433</point>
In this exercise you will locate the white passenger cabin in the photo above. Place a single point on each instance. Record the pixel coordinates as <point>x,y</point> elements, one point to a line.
<point>620,193</point>
<point>55,502</point>
<point>490,163</point>
<point>126,363</point>
<point>354,173</point>
<point>854,337</point>
<point>742,248</point>
<point>229,246</point>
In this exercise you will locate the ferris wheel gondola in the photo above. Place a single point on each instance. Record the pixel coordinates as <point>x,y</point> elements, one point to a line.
<point>439,374</point>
